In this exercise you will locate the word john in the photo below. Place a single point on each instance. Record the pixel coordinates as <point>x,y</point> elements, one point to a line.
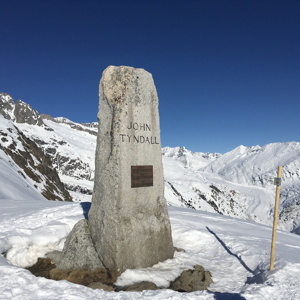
<point>141,126</point>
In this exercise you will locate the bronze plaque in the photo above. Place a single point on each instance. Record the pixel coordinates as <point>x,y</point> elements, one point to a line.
<point>141,176</point>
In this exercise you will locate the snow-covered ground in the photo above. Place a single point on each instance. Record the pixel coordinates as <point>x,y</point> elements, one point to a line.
<point>236,252</point>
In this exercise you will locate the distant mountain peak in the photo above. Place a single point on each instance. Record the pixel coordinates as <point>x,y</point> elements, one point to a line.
<point>7,106</point>
<point>24,113</point>
<point>20,112</point>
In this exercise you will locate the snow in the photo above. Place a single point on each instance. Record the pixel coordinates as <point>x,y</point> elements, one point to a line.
<point>5,98</point>
<point>239,165</point>
<point>236,252</point>
<point>7,127</point>
<point>15,189</point>
<point>193,160</point>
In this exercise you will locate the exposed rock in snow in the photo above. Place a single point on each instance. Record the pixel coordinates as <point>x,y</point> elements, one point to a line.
<point>24,113</point>
<point>20,112</point>
<point>32,163</point>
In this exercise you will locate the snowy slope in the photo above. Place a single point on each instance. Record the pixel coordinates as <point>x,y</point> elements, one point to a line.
<point>30,163</point>
<point>17,188</point>
<point>238,183</point>
<point>72,152</point>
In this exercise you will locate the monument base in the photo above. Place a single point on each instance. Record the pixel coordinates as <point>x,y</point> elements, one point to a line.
<point>196,279</point>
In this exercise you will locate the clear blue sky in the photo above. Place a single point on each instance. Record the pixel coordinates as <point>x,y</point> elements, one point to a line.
<point>227,72</point>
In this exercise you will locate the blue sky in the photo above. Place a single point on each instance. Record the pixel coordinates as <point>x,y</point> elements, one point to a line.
<point>227,72</point>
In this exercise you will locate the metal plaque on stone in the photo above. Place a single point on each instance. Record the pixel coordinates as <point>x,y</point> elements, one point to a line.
<point>141,176</point>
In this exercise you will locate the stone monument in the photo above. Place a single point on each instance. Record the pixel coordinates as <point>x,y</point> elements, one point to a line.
<point>128,219</point>
<point>128,225</point>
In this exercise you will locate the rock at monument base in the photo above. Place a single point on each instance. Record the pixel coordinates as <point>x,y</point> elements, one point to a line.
<point>79,251</point>
<point>85,277</point>
<point>128,219</point>
<point>54,256</point>
<point>100,285</point>
<point>42,267</point>
<point>139,287</point>
<point>192,280</point>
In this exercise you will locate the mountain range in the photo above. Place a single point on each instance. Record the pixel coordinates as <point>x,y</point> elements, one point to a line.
<point>54,158</point>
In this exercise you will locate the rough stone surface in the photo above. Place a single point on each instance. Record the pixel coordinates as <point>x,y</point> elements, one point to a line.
<point>58,274</point>
<point>140,286</point>
<point>84,277</point>
<point>130,227</point>
<point>54,256</point>
<point>42,267</point>
<point>192,280</point>
<point>102,286</point>
<point>24,113</point>
<point>79,251</point>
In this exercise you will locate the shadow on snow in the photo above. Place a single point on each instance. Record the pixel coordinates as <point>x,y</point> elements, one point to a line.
<point>85,207</point>
<point>259,275</point>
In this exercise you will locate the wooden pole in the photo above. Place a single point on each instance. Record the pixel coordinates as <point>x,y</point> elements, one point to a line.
<point>275,220</point>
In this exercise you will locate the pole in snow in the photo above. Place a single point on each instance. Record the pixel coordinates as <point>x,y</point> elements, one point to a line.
<point>277,182</point>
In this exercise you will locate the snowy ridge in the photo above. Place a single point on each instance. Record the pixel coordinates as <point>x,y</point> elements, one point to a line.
<point>7,106</point>
<point>194,160</point>
<point>258,165</point>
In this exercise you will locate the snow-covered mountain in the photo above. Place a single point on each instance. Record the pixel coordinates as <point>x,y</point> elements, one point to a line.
<point>21,154</point>
<point>238,183</point>
<point>69,147</point>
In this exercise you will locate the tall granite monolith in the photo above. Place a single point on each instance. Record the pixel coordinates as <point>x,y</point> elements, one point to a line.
<point>128,219</point>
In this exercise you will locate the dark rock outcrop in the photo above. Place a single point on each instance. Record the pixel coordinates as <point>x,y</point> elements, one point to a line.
<point>20,112</point>
<point>42,267</point>
<point>6,106</point>
<point>33,163</point>
<point>101,286</point>
<point>24,113</point>
<point>140,286</point>
<point>196,279</point>
<point>85,277</point>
